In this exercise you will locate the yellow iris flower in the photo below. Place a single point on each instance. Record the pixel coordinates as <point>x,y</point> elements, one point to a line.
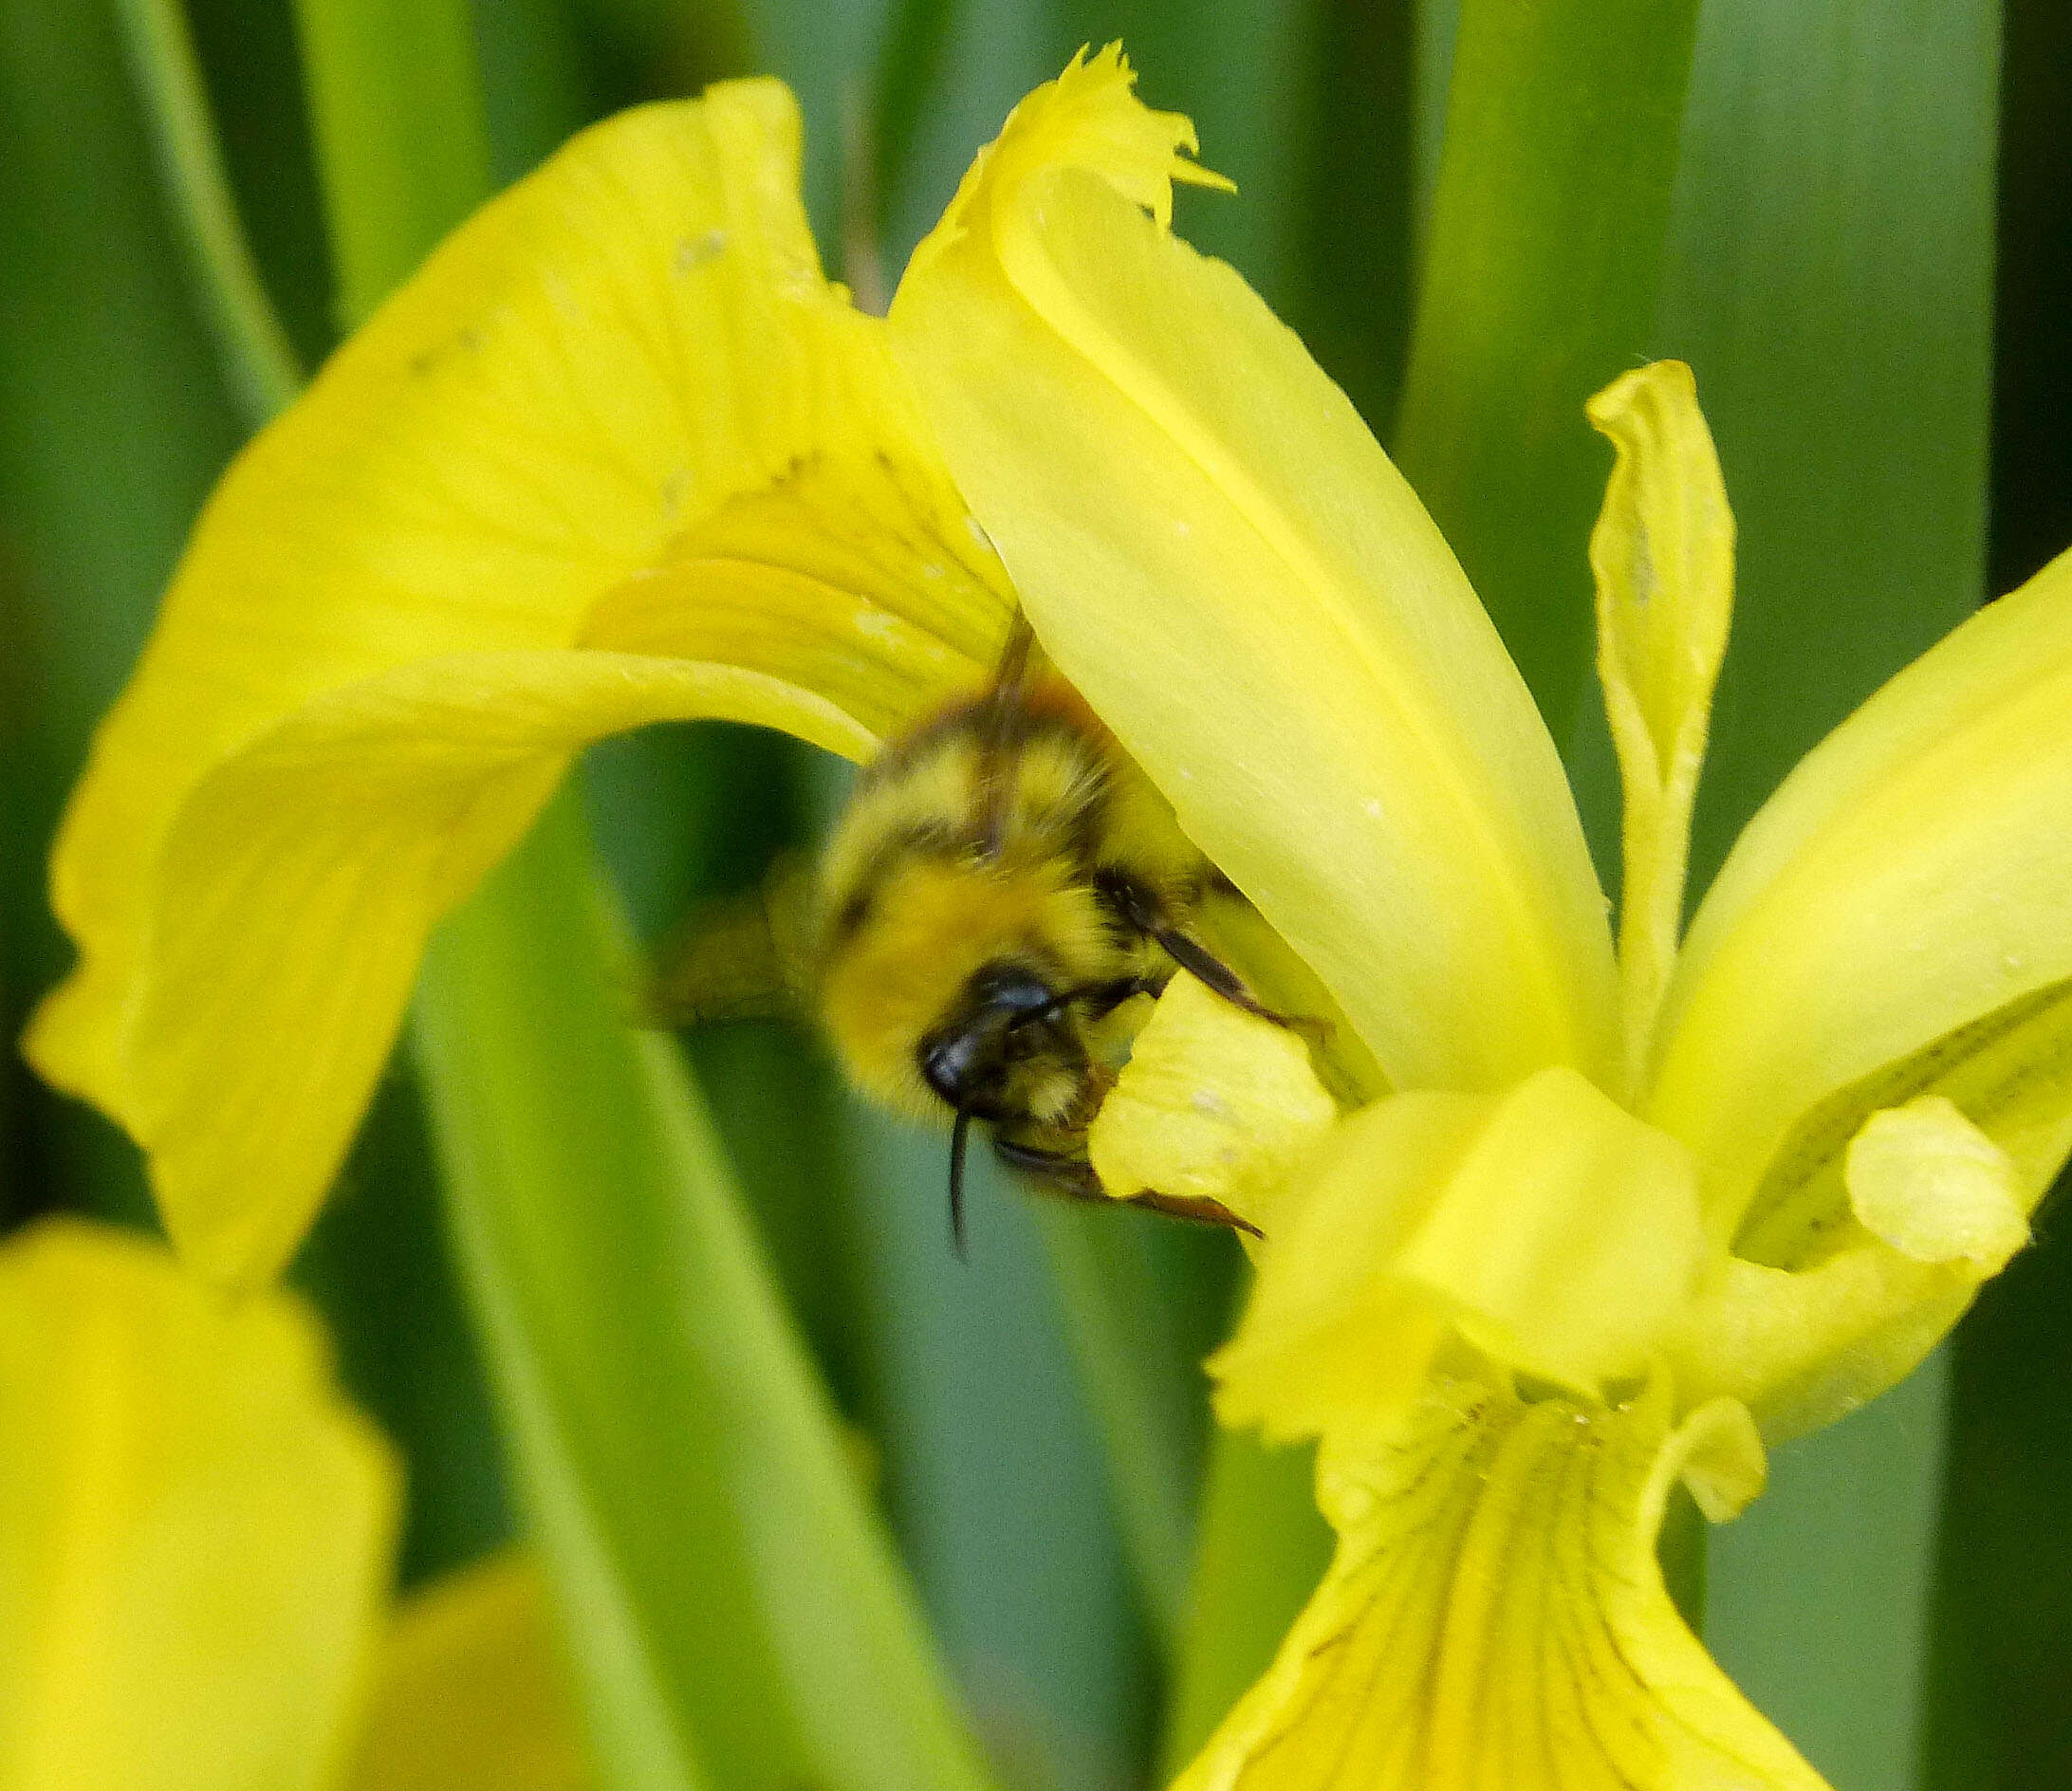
<point>195,1535</point>
<point>1605,1220</point>
<point>1610,1219</point>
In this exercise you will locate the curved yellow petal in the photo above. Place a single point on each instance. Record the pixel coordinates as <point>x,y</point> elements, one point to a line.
<point>626,369</point>
<point>194,1532</point>
<point>1663,552</point>
<point>1557,1233</point>
<point>1908,881</point>
<point>1212,548</point>
<point>1801,1348</point>
<point>471,1693</point>
<point>1495,1619</point>
<point>1214,1104</point>
<point>298,887</point>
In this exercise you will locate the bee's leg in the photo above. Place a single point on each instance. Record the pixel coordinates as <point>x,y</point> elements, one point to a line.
<point>1073,1178</point>
<point>1142,909</point>
<point>1070,1175</point>
<point>1104,998</point>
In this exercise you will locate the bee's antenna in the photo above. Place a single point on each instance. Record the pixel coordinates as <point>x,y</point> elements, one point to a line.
<point>959,1132</point>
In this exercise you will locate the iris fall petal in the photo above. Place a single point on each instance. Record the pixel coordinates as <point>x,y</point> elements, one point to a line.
<point>619,413</point>
<point>1494,1618</point>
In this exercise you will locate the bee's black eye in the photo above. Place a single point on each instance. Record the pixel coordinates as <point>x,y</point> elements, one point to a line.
<point>960,1066</point>
<point>966,1061</point>
<point>1011,992</point>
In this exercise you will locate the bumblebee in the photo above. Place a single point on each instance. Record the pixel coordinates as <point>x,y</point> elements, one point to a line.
<point>1002,883</point>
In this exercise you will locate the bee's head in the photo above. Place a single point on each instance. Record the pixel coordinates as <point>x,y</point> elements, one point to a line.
<point>1011,1047</point>
<point>942,981</point>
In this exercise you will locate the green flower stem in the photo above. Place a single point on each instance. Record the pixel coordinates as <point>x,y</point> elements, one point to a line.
<point>259,363</point>
<point>1539,283</point>
<point>396,102</point>
<point>1143,1395</point>
<point>738,1612</point>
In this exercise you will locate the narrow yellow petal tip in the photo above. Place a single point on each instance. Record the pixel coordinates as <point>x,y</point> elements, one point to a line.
<point>1935,1187</point>
<point>1663,554</point>
<point>1722,1459</point>
<point>1214,1104</point>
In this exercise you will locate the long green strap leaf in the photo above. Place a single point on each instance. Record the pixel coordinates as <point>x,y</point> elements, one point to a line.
<point>1144,1396</point>
<point>1831,282</point>
<point>1538,286</point>
<point>738,1610</point>
<point>1262,1551</point>
<point>259,363</point>
<point>395,99</point>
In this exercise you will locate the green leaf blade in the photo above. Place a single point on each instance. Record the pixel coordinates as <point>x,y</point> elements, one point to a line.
<point>1830,281</point>
<point>741,1620</point>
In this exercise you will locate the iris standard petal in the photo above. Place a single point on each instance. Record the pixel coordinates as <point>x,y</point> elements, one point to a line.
<point>629,364</point>
<point>1496,1616</point>
<point>298,887</point>
<point>1664,553</point>
<point>1908,887</point>
<point>471,1693</point>
<point>194,1530</point>
<point>1212,548</point>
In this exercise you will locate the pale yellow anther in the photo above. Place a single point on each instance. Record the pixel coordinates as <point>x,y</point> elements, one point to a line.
<point>1936,1188</point>
<point>1664,553</point>
<point>1213,1104</point>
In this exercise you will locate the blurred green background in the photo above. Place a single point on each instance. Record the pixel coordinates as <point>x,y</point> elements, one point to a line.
<point>1866,252</point>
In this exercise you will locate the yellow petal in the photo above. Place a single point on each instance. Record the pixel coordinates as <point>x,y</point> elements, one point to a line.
<point>1801,1348</point>
<point>1495,1619</point>
<point>1556,1232</point>
<point>1907,880</point>
<point>1212,548</point>
<point>628,369</point>
<point>1330,1330</point>
<point>1566,1238</point>
<point>471,1693</point>
<point>1663,552</point>
<point>1213,1104</point>
<point>298,888</point>
<point>194,1532</point>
